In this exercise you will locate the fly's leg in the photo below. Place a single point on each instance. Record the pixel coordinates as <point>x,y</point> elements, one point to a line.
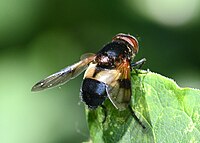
<point>105,113</point>
<point>138,64</point>
<point>135,117</point>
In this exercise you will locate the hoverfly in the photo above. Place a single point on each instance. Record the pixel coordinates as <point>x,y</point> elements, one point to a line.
<point>107,73</point>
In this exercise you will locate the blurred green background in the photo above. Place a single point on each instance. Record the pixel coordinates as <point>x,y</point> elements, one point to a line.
<point>40,37</point>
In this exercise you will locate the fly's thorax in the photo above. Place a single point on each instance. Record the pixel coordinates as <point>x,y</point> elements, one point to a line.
<point>117,48</point>
<point>105,62</point>
<point>113,54</point>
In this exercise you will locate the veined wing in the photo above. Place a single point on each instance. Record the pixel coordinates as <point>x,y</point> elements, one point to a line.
<point>64,75</point>
<point>119,90</point>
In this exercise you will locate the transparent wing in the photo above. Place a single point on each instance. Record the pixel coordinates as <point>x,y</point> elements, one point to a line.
<point>86,55</point>
<point>119,90</point>
<point>64,75</point>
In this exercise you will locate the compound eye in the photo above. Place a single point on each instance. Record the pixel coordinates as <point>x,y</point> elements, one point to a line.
<point>129,39</point>
<point>135,43</point>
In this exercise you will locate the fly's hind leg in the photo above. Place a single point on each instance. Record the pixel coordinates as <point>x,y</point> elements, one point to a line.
<point>105,113</point>
<point>135,117</point>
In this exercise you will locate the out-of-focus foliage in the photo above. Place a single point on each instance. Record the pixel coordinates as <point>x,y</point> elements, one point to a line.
<point>39,37</point>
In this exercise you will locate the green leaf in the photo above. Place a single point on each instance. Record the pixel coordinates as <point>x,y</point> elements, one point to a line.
<point>170,114</point>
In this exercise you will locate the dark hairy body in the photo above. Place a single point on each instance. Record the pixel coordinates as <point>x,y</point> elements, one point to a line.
<point>107,74</point>
<point>93,91</point>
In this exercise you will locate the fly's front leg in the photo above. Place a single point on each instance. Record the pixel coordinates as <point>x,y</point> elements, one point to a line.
<point>138,64</point>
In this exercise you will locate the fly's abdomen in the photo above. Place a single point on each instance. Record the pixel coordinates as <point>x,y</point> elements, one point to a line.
<point>93,92</point>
